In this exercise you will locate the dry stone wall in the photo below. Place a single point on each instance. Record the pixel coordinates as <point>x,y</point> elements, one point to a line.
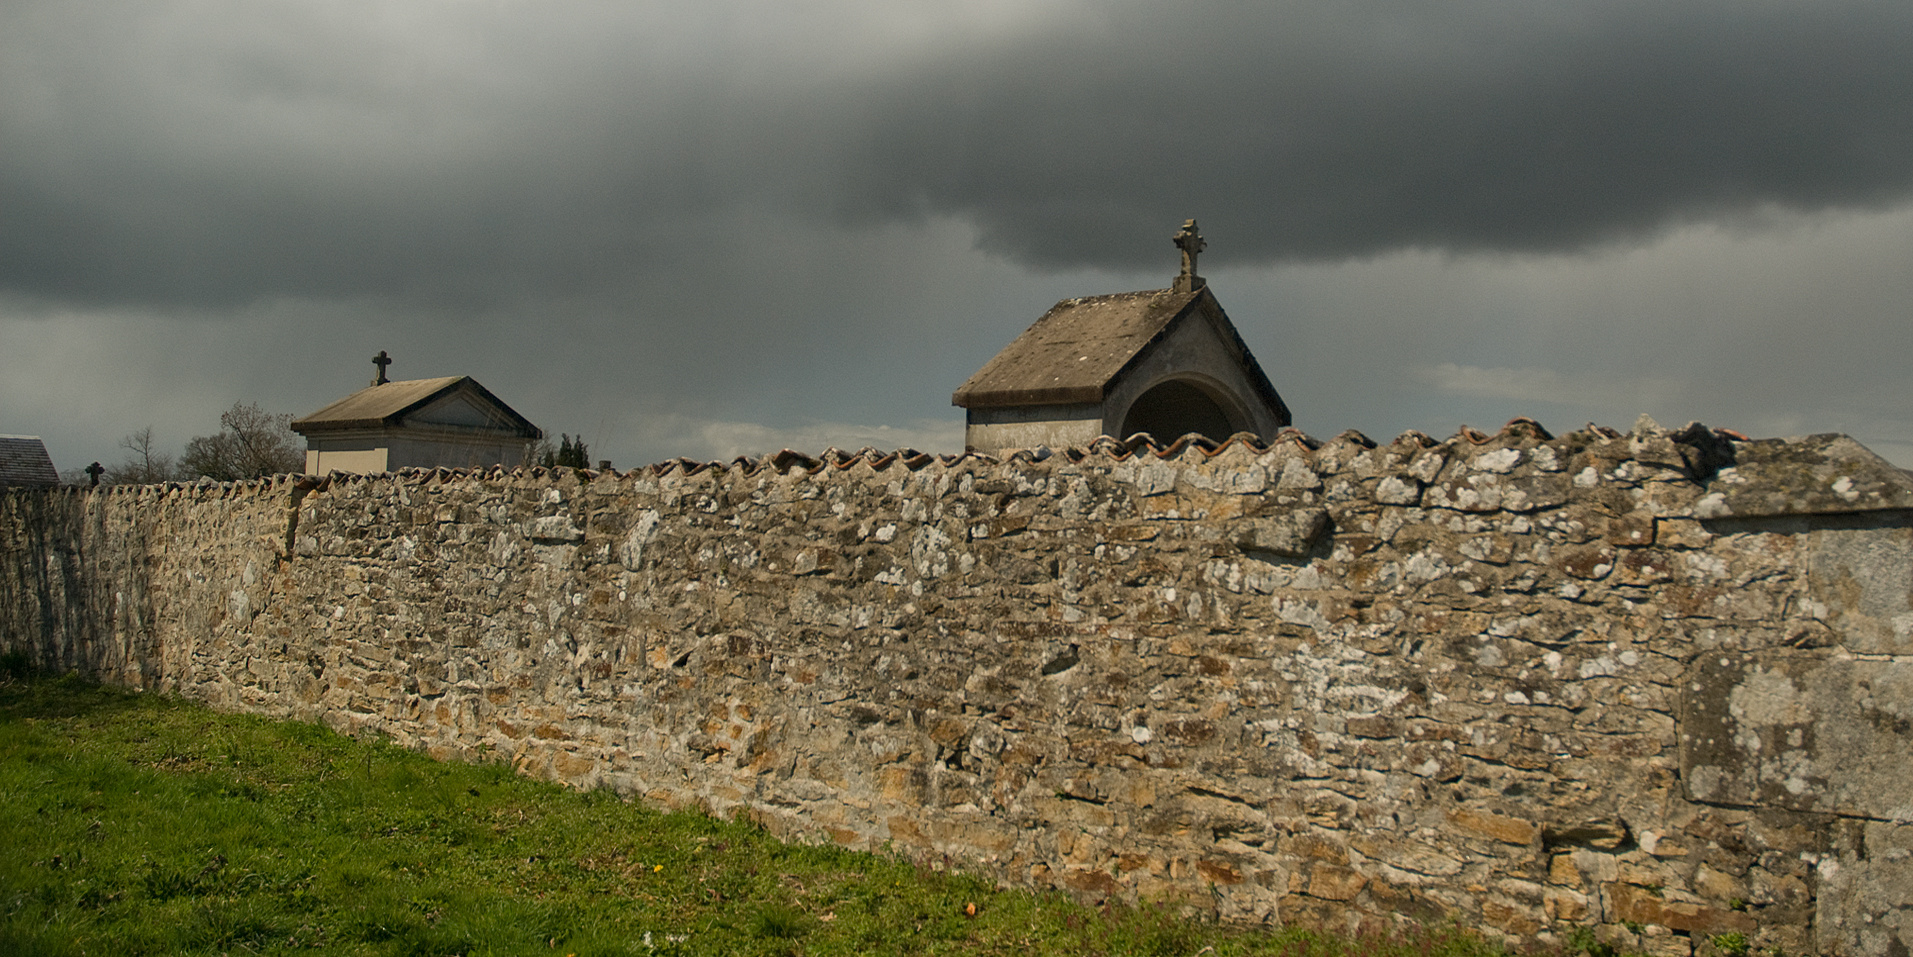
<point>1660,684</point>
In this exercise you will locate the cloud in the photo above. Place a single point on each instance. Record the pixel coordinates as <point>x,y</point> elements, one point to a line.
<point>1899,453</point>
<point>721,441</point>
<point>687,229</point>
<point>1532,385</point>
<point>1321,131</point>
<point>473,154</point>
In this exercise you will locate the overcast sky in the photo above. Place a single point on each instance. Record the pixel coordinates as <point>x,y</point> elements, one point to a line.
<point>708,229</point>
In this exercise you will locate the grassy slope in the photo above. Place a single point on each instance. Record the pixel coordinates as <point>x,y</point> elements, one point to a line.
<point>138,824</point>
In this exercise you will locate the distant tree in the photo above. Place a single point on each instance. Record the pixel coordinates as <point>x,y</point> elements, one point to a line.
<point>570,454</point>
<point>251,443</point>
<point>143,464</point>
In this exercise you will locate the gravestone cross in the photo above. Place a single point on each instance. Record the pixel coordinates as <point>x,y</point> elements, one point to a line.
<point>1190,241</point>
<point>381,360</point>
<point>93,472</point>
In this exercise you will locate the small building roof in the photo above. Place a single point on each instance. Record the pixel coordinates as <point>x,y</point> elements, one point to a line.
<point>1080,346</point>
<point>386,404</point>
<point>24,461</point>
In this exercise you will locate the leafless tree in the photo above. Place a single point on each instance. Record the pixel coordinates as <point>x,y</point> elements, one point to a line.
<point>537,451</point>
<point>143,464</point>
<point>251,443</point>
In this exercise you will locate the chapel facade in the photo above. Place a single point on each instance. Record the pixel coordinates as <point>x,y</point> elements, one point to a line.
<point>1167,362</point>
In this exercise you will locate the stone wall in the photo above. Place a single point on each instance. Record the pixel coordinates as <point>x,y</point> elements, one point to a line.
<point>1656,683</point>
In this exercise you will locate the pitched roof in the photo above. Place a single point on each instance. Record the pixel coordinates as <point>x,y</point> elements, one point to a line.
<point>24,461</point>
<point>1080,346</point>
<point>385,404</point>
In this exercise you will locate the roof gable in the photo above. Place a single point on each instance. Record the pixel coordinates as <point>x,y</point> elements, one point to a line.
<point>24,461</point>
<point>449,400</point>
<point>1080,346</point>
<point>1074,350</point>
<point>459,408</point>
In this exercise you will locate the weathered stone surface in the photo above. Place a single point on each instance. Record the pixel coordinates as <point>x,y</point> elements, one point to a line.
<point>1862,904</point>
<point>1812,475</point>
<point>1862,577</point>
<point>1290,534</point>
<point>1641,905</point>
<point>1803,733</point>
<point>1521,681</point>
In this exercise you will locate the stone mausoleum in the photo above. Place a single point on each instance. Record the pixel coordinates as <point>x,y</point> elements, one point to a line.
<point>24,462</point>
<point>1163,361</point>
<point>448,422</point>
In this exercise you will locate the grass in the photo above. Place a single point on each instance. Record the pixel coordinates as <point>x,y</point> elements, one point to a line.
<point>141,824</point>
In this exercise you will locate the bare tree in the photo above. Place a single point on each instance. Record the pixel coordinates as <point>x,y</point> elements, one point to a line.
<point>538,451</point>
<point>143,464</point>
<point>251,443</point>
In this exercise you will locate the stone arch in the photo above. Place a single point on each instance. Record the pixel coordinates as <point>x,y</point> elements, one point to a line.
<point>1186,403</point>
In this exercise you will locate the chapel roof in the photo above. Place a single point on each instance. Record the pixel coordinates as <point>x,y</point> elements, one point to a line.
<point>1080,346</point>
<point>384,404</point>
<point>24,461</point>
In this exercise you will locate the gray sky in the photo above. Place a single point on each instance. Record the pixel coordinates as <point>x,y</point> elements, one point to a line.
<point>710,229</point>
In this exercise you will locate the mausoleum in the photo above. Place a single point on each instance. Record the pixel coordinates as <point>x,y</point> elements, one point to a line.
<point>449,422</point>
<point>1163,361</point>
<point>24,462</point>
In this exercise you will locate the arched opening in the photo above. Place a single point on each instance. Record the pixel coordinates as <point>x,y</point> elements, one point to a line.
<point>1175,408</point>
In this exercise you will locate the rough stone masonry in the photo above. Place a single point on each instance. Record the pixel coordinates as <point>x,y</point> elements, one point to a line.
<point>1657,683</point>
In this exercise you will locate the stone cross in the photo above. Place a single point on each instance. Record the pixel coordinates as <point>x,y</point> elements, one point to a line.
<point>1190,241</point>
<point>94,472</point>
<point>381,360</point>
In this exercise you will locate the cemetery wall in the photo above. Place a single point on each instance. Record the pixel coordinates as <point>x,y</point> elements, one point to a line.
<point>1656,683</point>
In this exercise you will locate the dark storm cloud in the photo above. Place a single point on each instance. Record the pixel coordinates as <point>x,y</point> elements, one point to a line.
<point>466,153</point>
<point>1348,129</point>
<point>211,155</point>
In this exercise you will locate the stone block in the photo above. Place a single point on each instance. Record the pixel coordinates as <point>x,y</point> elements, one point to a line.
<point>1398,490</point>
<point>1863,579</point>
<point>1560,904</point>
<point>1219,871</point>
<point>1628,903</point>
<point>1830,735</point>
<point>572,767</point>
<point>1865,889</point>
<point>1633,530</point>
<point>1336,883</point>
<point>1092,881</point>
<point>1317,848</point>
<point>1511,918</point>
<point>1403,901</point>
<point>1290,534</point>
<point>1815,474</point>
<point>1604,834</point>
<point>1718,886</point>
<point>1501,827</point>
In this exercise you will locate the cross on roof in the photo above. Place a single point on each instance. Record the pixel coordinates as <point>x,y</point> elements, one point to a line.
<point>1190,241</point>
<point>381,360</point>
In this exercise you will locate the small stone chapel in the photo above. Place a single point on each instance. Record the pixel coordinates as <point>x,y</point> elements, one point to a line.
<point>447,422</point>
<point>1163,361</point>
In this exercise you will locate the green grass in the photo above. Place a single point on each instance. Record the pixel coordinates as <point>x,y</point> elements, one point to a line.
<point>141,824</point>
